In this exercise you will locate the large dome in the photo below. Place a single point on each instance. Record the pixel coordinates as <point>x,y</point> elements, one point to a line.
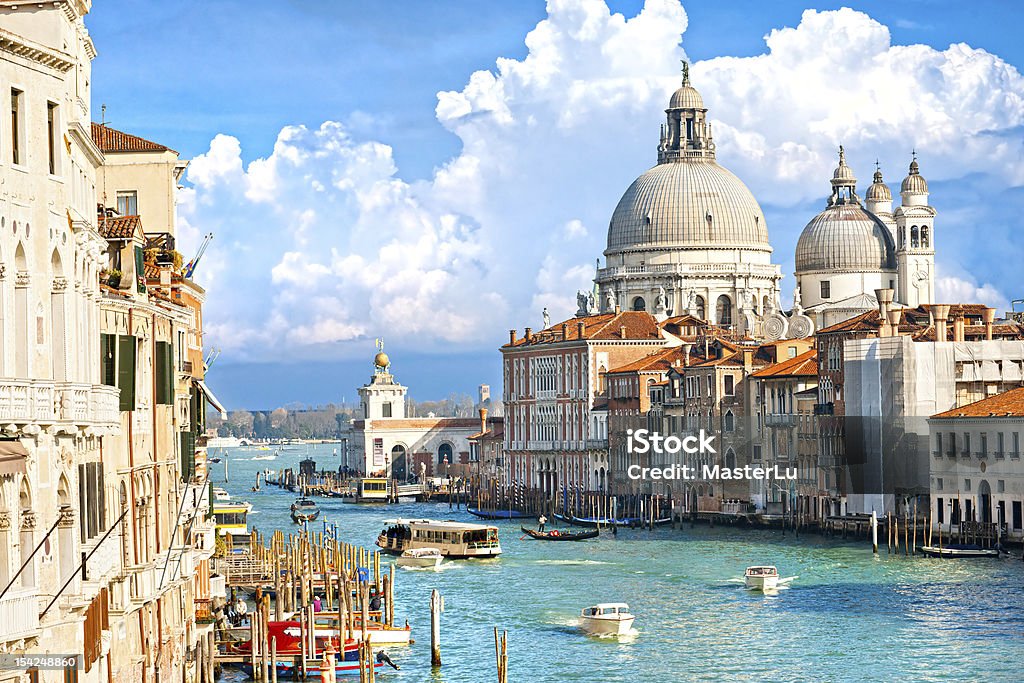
<point>845,238</point>
<point>687,204</point>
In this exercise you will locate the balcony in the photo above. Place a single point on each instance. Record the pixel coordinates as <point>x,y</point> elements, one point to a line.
<point>143,580</point>
<point>783,420</point>
<point>105,563</point>
<point>19,615</point>
<point>45,402</point>
<point>824,408</point>
<point>218,587</point>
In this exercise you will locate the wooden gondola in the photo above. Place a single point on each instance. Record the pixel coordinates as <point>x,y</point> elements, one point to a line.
<point>499,514</point>
<point>556,535</point>
<point>607,521</point>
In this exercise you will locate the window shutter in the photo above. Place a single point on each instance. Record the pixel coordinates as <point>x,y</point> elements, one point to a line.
<point>101,501</point>
<point>188,455</point>
<point>82,497</point>
<point>164,374</point>
<point>126,371</point>
<point>108,353</point>
<point>140,270</point>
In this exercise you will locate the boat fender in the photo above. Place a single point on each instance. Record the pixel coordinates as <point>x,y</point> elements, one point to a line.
<point>382,658</point>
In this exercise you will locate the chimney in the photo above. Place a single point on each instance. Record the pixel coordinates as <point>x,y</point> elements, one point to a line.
<point>894,321</point>
<point>483,420</point>
<point>622,332</point>
<point>989,316</point>
<point>565,331</point>
<point>686,354</point>
<point>511,336</point>
<point>529,334</point>
<point>884,297</point>
<point>618,309</point>
<point>748,360</point>
<point>958,328</point>
<point>581,329</point>
<point>941,316</point>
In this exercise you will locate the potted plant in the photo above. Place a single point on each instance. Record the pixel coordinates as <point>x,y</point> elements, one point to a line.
<point>112,276</point>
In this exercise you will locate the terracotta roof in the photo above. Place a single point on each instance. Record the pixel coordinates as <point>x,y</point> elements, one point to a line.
<point>803,365</point>
<point>659,361</point>
<point>119,227</point>
<point>112,140</point>
<point>1007,404</point>
<point>639,325</point>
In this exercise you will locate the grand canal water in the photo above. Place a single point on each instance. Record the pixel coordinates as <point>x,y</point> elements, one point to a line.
<point>850,616</point>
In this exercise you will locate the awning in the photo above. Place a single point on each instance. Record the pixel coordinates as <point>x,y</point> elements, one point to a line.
<point>211,399</point>
<point>12,457</point>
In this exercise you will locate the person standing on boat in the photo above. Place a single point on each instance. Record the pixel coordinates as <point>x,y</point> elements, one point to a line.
<point>241,609</point>
<point>317,604</point>
<point>541,521</point>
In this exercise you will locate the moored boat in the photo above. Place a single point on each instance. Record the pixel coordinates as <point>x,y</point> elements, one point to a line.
<point>420,557</point>
<point>499,514</point>
<point>761,578</point>
<point>453,539</point>
<point>607,619</point>
<point>558,535</point>
<point>960,550</point>
<point>610,521</point>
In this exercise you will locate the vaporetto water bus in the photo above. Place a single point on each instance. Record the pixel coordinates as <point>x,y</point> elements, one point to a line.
<point>454,539</point>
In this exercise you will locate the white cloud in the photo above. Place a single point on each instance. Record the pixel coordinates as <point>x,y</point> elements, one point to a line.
<point>951,289</point>
<point>322,242</point>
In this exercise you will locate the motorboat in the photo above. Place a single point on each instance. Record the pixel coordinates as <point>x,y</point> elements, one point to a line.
<point>220,495</point>
<point>761,578</point>
<point>420,557</point>
<point>559,535</point>
<point>960,550</point>
<point>607,619</point>
<point>304,510</point>
<point>453,539</point>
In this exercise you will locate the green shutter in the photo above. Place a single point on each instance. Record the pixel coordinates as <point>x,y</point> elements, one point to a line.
<point>140,269</point>
<point>108,354</point>
<point>126,371</point>
<point>188,455</point>
<point>164,374</point>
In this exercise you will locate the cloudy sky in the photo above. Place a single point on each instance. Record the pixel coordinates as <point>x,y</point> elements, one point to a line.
<point>437,173</point>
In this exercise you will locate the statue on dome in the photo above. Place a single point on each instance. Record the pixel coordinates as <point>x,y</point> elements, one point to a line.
<point>661,301</point>
<point>609,300</point>
<point>547,318</point>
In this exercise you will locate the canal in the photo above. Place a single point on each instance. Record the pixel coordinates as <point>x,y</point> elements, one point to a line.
<point>849,616</point>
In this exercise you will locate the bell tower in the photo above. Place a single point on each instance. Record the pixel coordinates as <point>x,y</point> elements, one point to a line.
<point>382,397</point>
<point>915,241</point>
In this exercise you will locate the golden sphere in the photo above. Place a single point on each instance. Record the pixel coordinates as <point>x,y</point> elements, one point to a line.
<point>381,360</point>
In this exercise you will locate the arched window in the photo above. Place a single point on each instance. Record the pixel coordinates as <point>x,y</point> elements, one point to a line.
<point>399,463</point>
<point>701,308</point>
<point>915,241</point>
<point>764,305</point>
<point>902,236</point>
<point>444,454</point>
<point>639,304</point>
<point>730,459</point>
<point>723,310</point>
<point>730,422</point>
<point>924,236</point>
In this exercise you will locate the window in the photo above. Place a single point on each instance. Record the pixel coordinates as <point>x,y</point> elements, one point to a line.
<point>999,445</point>
<point>128,203</point>
<point>126,353</point>
<point>938,444</point>
<point>730,390</point>
<point>914,238</point>
<point>984,444</point>
<point>967,444</point>
<point>709,384</point>
<point>941,509</point>
<point>164,373</point>
<point>639,304</point>
<point>1016,444</point>
<point>108,355</point>
<point>52,131</point>
<point>723,310</point>
<point>938,484</point>
<point>792,352</point>
<point>1001,486</point>
<point>967,487</point>
<point>387,410</point>
<point>826,289</point>
<point>17,126</point>
<point>729,421</point>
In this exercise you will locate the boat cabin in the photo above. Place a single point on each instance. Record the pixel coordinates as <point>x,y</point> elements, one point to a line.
<point>453,539</point>
<point>606,609</point>
<point>373,489</point>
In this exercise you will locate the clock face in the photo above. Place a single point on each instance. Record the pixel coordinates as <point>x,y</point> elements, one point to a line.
<point>920,276</point>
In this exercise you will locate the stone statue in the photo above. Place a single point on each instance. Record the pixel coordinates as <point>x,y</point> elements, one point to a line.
<point>581,305</point>
<point>609,300</point>
<point>661,301</point>
<point>547,318</point>
<point>797,308</point>
<point>691,302</point>
<point>591,303</point>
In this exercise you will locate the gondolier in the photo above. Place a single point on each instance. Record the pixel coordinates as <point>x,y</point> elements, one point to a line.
<point>541,521</point>
<point>556,535</point>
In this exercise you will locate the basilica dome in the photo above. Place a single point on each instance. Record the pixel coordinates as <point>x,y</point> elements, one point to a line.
<point>845,238</point>
<point>688,203</point>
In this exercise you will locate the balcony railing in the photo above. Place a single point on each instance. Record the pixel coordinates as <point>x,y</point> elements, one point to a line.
<point>105,563</point>
<point>19,615</point>
<point>48,402</point>
<point>218,587</point>
<point>780,420</point>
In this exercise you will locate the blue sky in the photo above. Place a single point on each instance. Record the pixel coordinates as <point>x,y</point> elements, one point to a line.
<point>328,210</point>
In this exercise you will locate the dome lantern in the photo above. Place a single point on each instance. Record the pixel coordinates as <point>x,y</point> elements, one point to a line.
<point>914,183</point>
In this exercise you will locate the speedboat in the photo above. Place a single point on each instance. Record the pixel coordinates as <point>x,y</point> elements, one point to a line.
<point>607,619</point>
<point>304,510</point>
<point>761,578</point>
<point>420,557</point>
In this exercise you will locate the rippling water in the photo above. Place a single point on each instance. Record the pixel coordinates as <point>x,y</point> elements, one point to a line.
<point>850,616</point>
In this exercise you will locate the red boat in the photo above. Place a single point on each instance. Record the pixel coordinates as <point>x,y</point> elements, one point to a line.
<point>289,641</point>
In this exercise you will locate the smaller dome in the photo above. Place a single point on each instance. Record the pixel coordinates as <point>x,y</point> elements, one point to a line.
<point>914,183</point>
<point>879,191</point>
<point>845,239</point>
<point>381,360</point>
<point>686,97</point>
<point>843,175</point>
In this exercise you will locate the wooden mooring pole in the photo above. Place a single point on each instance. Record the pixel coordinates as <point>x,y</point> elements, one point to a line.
<point>436,607</point>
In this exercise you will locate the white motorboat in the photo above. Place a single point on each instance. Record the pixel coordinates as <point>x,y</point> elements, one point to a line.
<point>762,578</point>
<point>420,557</point>
<point>607,619</point>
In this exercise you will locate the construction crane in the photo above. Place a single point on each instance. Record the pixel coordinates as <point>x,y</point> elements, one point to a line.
<point>190,267</point>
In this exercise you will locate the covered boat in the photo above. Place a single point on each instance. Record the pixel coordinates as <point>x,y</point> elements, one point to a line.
<point>304,510</point>
<point>761,578</point>
<point>420,557</point>
<point>607,619</point>
<point>557,535</point>
<point>453,539</point>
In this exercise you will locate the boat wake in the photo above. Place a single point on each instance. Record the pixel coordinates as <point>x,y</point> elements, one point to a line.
<point>444,566</point>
